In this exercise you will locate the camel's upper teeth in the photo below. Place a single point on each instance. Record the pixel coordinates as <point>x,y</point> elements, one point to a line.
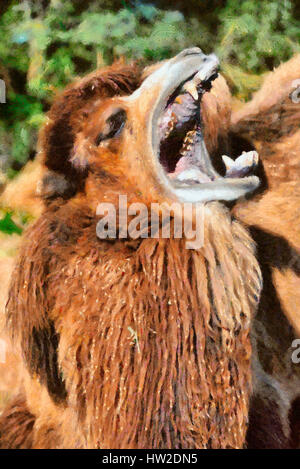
<point>191,88</point>
<point>192,85</point>
<point>204,74</point>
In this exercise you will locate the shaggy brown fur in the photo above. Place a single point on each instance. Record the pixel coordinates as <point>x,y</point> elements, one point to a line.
<point>177,303</point>
<point>16,426</point>
<point>271,122</point>
<point>185,379</point>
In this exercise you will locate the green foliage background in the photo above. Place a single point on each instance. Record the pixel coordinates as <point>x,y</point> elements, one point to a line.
<point>46,44</point>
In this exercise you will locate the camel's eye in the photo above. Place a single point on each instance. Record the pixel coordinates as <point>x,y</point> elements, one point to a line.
<point>113,126</point>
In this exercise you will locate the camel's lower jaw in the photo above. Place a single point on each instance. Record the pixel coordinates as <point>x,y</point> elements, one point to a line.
<point>222,189</point>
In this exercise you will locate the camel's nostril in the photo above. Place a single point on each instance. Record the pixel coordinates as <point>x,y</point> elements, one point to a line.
<point>190,51</point>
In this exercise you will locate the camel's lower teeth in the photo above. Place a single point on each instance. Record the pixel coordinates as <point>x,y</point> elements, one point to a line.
<point>245,163</point>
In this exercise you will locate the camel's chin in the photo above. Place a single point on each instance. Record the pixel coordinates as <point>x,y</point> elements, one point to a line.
<point>182,162</point>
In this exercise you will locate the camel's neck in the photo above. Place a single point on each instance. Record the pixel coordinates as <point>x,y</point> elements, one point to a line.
<point>166,353</point>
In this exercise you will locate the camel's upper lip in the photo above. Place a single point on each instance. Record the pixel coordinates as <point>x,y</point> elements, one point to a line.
<point>182,163</point>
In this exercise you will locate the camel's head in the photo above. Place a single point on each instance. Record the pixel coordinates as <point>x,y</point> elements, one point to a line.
<point>158,138</point>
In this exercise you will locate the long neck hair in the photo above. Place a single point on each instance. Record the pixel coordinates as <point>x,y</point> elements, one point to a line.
<point>164,360</point>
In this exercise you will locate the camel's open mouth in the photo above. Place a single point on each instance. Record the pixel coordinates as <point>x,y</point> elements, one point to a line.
<point>178,137</point>
<point>180,133</point>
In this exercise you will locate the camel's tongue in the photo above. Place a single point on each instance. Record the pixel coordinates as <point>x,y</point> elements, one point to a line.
<point>185,172</point>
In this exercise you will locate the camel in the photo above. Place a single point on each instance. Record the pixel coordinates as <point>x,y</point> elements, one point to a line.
<point>139,342</point>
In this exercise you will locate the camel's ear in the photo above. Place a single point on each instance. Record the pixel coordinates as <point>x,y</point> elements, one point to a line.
<point>274,110</point>
<point>67,117</point>
<point>29,306</point>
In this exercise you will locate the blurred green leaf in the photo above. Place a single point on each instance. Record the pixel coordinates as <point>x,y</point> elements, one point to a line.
<point>8,226</point>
